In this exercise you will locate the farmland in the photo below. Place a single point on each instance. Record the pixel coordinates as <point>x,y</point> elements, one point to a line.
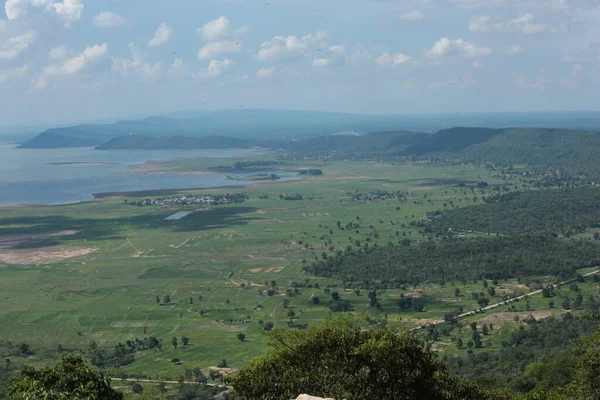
<point>99,271</point>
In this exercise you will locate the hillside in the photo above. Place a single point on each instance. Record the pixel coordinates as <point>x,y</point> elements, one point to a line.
<point>233,123</point>
<point>292,124</point>
<point>558,212</point>
<point>174,142</point>
<point>570,151</point>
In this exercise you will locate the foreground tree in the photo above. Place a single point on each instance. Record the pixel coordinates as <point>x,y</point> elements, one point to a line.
<point>70,378</point>
<point>344,361</point>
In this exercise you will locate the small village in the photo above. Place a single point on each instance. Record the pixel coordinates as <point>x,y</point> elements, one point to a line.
<point>205,200</point>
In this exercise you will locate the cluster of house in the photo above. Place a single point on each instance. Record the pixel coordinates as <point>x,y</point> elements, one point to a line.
<point>206,200</point>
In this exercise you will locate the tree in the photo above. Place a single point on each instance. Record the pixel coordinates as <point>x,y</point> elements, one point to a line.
<point>167,299</point>
<point>485,330</point>
<point>457,292</point>
<point>286,303</point>
<point>344,361</point>
<point>291,313</point>
<point>459,342</point>
<point>191,300</point>
<point>241,337</point>
<point>268,326</point>
<point>373,298</point>
<point>491,291</point>
<point>483,301</point>
<point>157,300</point>
<point>185,340</point>
<point>137,388</point>
<point>578,301</point>
<point>70,378</point>
<point>418,305</point>
<point>174,342</point>
<point>335,296</point>
<point>316,300</point>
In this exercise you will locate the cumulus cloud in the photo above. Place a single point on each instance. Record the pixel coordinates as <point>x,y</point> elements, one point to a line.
<point>73,65</point>
<point>211,50</point>
<point>523,24</point>
<point>163,34</point>
<point>282,47</point>
<point>136,65</point>
<point>58,53</point>
<point>460,47</point>
<point>68,10</point>
<point>216,29</point>
<point>391,60</point>
<point>107,19</point>
<point>219,29</point>
<point>13,73</point>
<point>12,45</point>
<point>412,16</point>
<point>477,63</point>
<point>265,73</point>
<point>178,67</point>
<point>215,68</point>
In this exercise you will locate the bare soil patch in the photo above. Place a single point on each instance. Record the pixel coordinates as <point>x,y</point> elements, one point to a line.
<point>16,240</point>
<point>503,317</point>
<point>255,270</point>
<point>44,255</point>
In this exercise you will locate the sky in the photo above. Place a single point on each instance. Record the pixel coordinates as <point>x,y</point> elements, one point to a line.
<point>63,61</point>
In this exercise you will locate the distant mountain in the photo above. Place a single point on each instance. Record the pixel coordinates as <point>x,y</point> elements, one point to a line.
<point>175,142</point>
<point>290,124</point>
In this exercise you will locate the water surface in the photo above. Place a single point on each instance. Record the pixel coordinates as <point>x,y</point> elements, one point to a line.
<point>60,176</point>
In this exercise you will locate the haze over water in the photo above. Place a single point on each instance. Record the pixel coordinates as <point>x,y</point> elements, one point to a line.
<point>31,176</point>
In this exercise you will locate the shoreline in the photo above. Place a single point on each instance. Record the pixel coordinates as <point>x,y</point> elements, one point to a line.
<point>153,192</point>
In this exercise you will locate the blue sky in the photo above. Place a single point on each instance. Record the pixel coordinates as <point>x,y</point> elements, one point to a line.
<point>64,61</point>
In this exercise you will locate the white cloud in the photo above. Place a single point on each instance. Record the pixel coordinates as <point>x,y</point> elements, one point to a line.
<point>136,65</point>
<point>321,62</point>
<point>178,67</point>
<point>58,53</point>
<point>477,63</point>
<point>514,50</point>
<point>12,46</point>
<point>68,10</point>
<point>216,29</point>
<point>281,47</point>
<point>449,47</point>
<point>73,65</point>
<point>264,73</point>
<point>215,68</point>
<point>211,50</point>
<point>219,29</point>
<point>13,73</point>
<point>412,16</point>
<point>391,60</point>
<point>163,34</point>
<point>107,19</point>
<point>523,24</point>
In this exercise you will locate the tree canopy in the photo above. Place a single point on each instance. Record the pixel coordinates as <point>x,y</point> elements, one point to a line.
<point>344,361</point>
<point>71,378</point>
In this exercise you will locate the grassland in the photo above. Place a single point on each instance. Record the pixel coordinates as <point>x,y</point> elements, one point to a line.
<point>216,264</point>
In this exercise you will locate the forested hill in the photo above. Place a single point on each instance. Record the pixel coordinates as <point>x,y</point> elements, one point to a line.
<point>552,211</point>
<point>569,151</point>
<point>176,142</point>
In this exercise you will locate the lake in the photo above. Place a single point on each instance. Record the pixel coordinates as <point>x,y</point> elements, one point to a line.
<point>52,176</point>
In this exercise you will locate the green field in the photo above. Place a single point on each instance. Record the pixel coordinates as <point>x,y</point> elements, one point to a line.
<point>92,271</point>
